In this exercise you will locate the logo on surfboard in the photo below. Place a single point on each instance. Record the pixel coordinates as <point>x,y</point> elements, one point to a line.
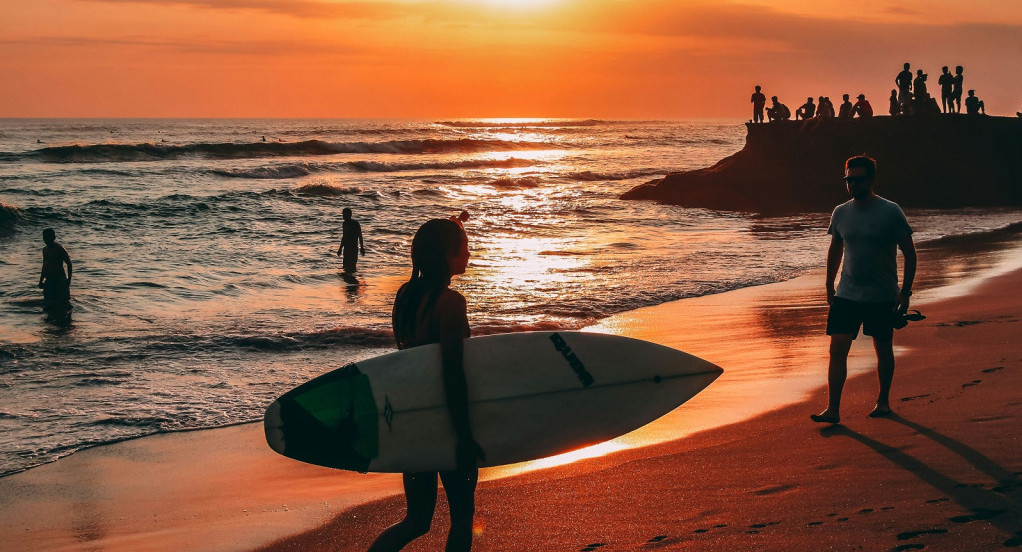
<point>580,370</point>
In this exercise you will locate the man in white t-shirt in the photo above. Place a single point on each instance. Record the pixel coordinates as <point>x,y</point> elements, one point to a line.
<point>866,233</point>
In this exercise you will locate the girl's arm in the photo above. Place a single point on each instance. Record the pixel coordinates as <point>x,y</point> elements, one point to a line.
<point>452,314</point>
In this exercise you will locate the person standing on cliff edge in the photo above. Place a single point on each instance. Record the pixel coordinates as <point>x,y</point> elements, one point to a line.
<point>904,82</point>
<point>758,103</point>
<point>866,233</point>
<point>957,83</point>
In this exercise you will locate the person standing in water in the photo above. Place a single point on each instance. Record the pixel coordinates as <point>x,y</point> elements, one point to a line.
<point>427,310</point>
<point>866,233</point>
<point>55,284</point>
<point>351,241</point>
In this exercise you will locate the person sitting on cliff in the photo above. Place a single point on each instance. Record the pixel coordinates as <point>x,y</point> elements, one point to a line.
<point>919,86</point>
<point>758,103</point>
<point>806,110</point>
<point>778,111</point>
<point>826,109</point>
<point>862,108</point>
<point>895,108</point>
<point>946,82</point>
<point>904,82</point>
<point>845,112</point>
<point>974,105</point>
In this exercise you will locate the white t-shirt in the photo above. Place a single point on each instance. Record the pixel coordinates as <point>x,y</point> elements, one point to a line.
<point>871,232</point>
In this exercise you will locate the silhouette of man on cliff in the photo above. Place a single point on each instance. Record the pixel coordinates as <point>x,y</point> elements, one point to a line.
<point>845,111</point>
<point>947,83</point>
<point>806,110</point>
<point>862,108</point>
<point>919,87</point>
<point>758,103</point>
<point>957,83</point>
<point>55,284</point>
<point>825,109</point>
<point>974,105</point>
<point>904,82</point>
<point>351,241</point>
<point>895,107</point>
<point>778,111</point>
<point>866,233</point>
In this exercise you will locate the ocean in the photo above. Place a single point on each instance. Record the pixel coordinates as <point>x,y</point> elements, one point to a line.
<point>205,276</point>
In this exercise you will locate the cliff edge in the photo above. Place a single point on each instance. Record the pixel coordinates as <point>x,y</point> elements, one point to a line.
<point>942,161</point>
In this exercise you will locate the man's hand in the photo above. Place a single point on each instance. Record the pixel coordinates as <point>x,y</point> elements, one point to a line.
<point>830,295</point>
<point>903,304</point>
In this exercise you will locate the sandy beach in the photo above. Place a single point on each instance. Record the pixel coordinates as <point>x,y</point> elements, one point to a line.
<point>942,474</point>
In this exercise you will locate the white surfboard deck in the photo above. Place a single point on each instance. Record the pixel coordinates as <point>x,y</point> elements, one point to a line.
<point>531,395</point>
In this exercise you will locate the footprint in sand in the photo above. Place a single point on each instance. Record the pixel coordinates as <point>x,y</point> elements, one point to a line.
<point>814,523</point>
<point>593,546</point>
<point>914,534</point>
<point>887,508</point>
<point>720,526</point>
<point>866,511</point>
<point>936,500</point>
<point>979,514</point>
<point>914,397</point>
<point>971,383</point>
<point>992,370</point>
<point>913,546</point>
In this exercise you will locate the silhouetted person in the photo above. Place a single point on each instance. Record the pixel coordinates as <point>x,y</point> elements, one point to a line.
<point>845,111</point>
<point>825,109</point>
<point>778,111</point>
<point>947,84</point>
<point>904,82</point>
<point>427,310</point>
<point>862,108</point>
<point>806,110</point>
<point>866,232</point>
<point>351,241</point>
<point>956,88</point>
<point>758,103</point>
<point>919,87</point>
<point>974,105</point>
<point>56,285</point>
<point>461,218</point>
<point>264,138</point>
<point>895,107</point>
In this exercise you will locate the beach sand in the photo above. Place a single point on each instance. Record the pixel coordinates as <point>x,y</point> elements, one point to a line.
<point>943,473</point>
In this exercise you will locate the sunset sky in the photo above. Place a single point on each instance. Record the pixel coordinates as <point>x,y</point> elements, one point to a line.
<point>487,58</point>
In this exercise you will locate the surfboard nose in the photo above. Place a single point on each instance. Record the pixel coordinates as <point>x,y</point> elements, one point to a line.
<point>273,426</point>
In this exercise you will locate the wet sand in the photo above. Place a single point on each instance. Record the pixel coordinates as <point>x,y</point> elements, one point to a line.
<point>943,474</point>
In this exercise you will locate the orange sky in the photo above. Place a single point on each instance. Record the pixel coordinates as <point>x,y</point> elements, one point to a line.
<point>487,58</point>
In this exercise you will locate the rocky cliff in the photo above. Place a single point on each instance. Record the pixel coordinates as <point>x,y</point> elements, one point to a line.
<point>941,161</point>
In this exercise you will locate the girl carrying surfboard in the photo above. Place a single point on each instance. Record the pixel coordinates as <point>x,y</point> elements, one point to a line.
<point>427,310</point>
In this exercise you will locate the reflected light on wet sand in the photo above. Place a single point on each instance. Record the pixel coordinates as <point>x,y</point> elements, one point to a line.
<point>594,451</point>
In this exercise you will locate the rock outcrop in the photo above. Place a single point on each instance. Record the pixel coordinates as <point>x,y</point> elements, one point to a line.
<point>942,161</point>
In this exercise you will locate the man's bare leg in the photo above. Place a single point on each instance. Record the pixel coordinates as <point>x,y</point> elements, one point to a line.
<point>837,372</point>
<point>885,371</point>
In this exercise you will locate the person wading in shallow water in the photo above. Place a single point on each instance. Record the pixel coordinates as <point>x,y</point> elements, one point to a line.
<point>351,241</point>
<point>427,310</point>
<point>55,284</point>
<point>865,232</point>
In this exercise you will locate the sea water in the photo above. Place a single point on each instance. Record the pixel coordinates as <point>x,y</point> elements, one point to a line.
<point>206,281</point>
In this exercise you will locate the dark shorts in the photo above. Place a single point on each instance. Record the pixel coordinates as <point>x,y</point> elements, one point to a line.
<point>876,319</point>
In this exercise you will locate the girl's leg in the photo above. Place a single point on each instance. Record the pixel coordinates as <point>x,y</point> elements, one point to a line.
<point>460,487</point>
<point>420,493</point>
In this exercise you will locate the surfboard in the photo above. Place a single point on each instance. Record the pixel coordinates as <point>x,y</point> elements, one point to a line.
<point>531,395</point>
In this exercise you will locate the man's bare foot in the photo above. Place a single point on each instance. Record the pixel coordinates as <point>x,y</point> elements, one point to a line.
<point>880,411</point>
<point>826,417</point>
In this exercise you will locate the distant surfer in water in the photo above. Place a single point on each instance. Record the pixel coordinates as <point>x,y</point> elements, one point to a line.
<point>866,232</point>
<point>461,218</point>
<point>55,284</point>
<point>351,241</point>
<point>427,310</point>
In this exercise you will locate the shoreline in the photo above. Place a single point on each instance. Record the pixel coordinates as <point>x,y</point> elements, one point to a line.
<point>246,509</point>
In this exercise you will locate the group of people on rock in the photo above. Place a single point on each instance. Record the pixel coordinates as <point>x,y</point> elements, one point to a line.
<point>910,98</point>
<point>809,110</point>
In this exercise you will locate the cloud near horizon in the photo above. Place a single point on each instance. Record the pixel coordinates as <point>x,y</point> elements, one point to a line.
<point>637,58</point>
